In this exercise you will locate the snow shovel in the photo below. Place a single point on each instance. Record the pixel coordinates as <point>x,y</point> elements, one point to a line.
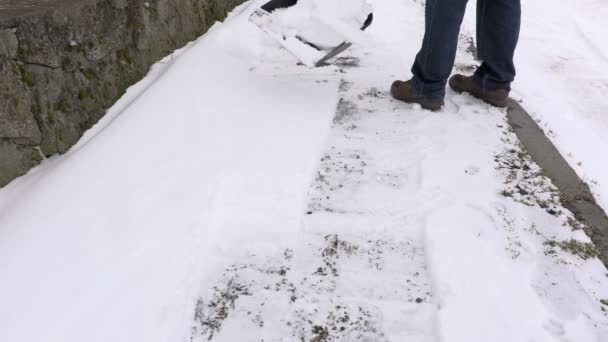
<point>309,53</point>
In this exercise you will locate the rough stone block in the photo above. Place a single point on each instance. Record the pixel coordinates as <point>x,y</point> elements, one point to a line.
<point>8,43</point>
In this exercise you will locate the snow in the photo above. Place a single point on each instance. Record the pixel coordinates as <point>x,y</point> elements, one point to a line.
<point>233,195</point>
<point>103,243</point>
<point>345,17</point>
<point>288,39</point>
<point>325,23</point>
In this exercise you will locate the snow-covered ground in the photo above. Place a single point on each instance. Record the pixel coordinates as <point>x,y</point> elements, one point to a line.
<point>233,195</point>
<point>563,81</point>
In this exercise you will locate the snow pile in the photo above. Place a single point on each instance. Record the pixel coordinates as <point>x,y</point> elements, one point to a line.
<point>326,23</point>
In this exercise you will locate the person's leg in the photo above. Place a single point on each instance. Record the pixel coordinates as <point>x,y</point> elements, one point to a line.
<point>498,23</point>
<point>435,60</point>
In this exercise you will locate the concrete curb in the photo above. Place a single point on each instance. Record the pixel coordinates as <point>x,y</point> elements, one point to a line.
<point>575,193</point>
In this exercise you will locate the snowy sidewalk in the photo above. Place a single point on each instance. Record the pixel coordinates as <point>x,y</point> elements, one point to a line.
<point>220,202</point>
<point>420,227</point>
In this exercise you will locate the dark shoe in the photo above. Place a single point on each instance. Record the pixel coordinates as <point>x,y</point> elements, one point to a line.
<point>466,84</point>
<point>404,91</point>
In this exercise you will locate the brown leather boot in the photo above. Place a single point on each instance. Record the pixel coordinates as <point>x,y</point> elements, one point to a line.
<point>466,84</point>
<point>404,91</point>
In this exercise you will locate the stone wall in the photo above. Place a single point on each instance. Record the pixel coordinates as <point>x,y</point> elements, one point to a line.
<point>63,63</point>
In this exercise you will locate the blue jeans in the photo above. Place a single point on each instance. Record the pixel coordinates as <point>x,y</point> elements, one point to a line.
<point>498,23</point>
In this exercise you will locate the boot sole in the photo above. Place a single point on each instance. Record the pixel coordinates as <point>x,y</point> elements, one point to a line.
<point>495,103</point>
<point>432,106</point>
